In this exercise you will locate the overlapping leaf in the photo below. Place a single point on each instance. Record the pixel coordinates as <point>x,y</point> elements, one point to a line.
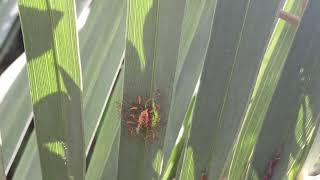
<point>293,114</point>
<point>239,36</point>
<point>15,109</point>
<point>268,77</point>
<point>15,101</point>
<point>153,38</point>
<point>174,158</point>
<point>55,86</point>
<point>2,173</point>
<point>193,46</point>
<point>312,163</point>
<point>100,64</point>
<point>104,161</point>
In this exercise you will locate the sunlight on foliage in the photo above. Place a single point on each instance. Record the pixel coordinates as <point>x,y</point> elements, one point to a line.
<point>157,162</point>
<point>43,63</point>
<point>58,148</point>
<point>267,80</point>
<point>303,133</point>
<point>293,169</point>
<point>138,11</point>
<point>39,6</point>
<point>305,126</point>
<point>188,165</point>
<point>253,174</point>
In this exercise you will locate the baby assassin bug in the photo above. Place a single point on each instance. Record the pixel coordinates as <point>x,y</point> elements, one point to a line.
<point>142,117</point>
<point>271,165</point>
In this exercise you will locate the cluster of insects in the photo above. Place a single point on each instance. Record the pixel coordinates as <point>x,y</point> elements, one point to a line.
<point>142,116</point>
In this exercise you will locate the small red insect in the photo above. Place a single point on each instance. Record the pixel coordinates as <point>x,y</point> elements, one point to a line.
<point>271,165</point>
<point>204,175</point>
<point>291,18</point>
<point>288,17</point>
<point>144,120</point>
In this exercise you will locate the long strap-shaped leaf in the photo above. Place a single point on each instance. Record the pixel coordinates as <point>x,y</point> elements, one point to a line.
<point>292,119</point>
<point>101,51</point>
<point>153,38</point>
<point>240,32</point>
<point>15,95</point>
<point>312,163</point>
<point>104,161</point>
<point>273,62</point>
<point>15,109</point>
<point>2,173</point>
<point>197,25</point>
<point>175,160</point>
<point>51,44</point>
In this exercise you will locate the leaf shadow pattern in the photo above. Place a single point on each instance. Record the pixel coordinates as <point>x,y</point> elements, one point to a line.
<point>60,128</point>
<point>230,70</point>
<point>38,46</point>
<point>58,115</point>
<point>293,114</point>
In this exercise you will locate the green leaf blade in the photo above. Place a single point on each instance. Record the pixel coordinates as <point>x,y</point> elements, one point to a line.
<point>232,60</point>
<point>294,107</point>
<point>106,59</point>
<point>100,68</point>
<point>193,47</point>
<point>29,165</point>
<point>177,151</point>
<point>268,77</point>
<point>15,109</point>
<point>55,84</point>
<point>104,162</point>
<point>2,167</point>
<point>150,64</point>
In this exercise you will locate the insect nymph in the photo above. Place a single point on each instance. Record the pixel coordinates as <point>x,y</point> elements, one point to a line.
<point>142,117</point>
<point>271,165</point>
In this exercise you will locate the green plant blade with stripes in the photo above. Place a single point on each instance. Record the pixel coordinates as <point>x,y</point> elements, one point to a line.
<point>55,85</point>
<point>101,51</point>
<point>293,114</point>
<point>15,97</point>
<point>268,77</point>
<point>153,38</point>
<point>104,161</point>
<point>232,60</point>
<point>197,25</point>
<point>173,160</point>
<point>312,163</point>
<point>29,165</point>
